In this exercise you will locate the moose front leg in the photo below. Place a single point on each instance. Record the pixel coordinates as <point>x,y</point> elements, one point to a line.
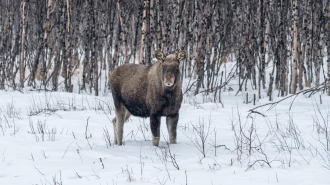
<point>172,122</point>
<point>155,129</point>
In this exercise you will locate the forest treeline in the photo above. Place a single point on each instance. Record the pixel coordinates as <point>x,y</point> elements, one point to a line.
<point>44,43</point>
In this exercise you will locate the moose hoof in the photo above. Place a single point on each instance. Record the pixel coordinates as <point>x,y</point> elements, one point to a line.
<point>173,142</point>
<point>119,143</point>
<point>116,142</point>
<point>155,141</point>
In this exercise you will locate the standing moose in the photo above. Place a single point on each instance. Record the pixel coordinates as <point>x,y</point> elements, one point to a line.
<point>148,91</point>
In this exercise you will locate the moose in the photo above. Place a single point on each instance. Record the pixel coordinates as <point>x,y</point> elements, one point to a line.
<point>148,91</point>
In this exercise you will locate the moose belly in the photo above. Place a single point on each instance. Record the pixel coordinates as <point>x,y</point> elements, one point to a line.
<point>169,111</point>
<point>137,109</point>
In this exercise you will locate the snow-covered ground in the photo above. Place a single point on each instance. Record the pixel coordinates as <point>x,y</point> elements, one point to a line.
<point>43,141</point>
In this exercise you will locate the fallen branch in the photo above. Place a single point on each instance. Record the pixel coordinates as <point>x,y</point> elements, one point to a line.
<point>273,104</point>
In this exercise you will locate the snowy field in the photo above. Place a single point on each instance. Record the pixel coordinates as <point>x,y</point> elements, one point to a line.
<point>63,139</point>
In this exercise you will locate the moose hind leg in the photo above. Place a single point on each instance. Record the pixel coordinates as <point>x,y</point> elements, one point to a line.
<point>114,120</point>
<point>172,122</point>
<point>127,115</point>
<point>155,129</point>
<point>119,126</point>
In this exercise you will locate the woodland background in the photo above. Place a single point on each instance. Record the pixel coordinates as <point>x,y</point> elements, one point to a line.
<point>56,45</point>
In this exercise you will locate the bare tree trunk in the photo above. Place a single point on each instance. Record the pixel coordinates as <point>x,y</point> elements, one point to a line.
<point>123,32</point>
<point>148,39</point>
<point>160,25</point>
<point>23,37</point>
<point>40,44</point>
<point>303,33</point>
<point>86,76</point>
<point>309,24</point>
<point>318,40</point>
<point>94,55</point>
<point>64,55</point>
<point>201,50</point>
<point>327,31</point>
<point>190,19</point>
<point>195,39</point>
<point>69,43</point>
<point>283,54</point>
<point>295,48</point>
<point>261,81</point>
<point>43,66</point>
<point>144,31</point>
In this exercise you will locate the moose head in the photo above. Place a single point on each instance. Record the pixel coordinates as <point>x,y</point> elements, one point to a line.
<point>169,67</point>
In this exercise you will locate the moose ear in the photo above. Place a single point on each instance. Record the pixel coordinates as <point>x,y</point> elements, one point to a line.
<point>181,56</point>
<point>159,55</point>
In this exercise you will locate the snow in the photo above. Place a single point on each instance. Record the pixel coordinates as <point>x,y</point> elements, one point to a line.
<point>65,156</point>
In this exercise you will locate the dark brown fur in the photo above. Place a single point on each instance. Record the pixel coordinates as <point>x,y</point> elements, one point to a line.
<point>148,91</point>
